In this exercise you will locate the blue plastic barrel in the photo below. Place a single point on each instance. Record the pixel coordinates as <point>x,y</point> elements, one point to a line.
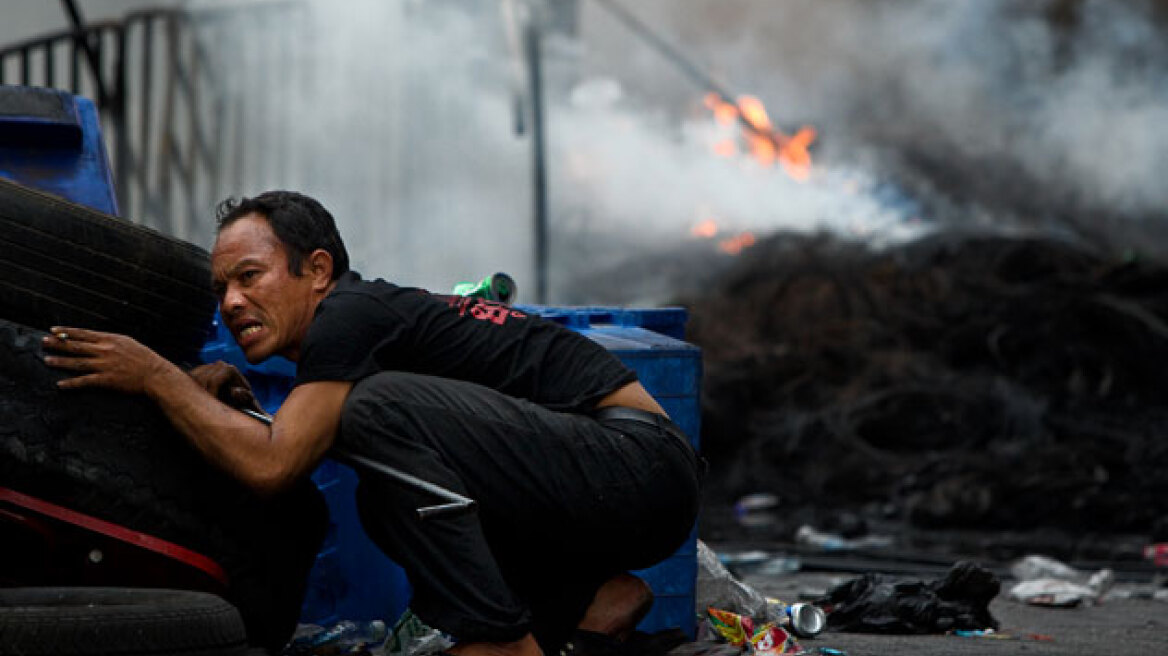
<point>51,140</point>
<point>649,341</point>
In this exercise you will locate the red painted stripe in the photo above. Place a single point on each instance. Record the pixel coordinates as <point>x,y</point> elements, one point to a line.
<point>157,545</point>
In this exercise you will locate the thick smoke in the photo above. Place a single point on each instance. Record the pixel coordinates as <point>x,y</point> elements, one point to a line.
<point>1002,111</point>
<point>1006,113</point>
<point>397,117</point>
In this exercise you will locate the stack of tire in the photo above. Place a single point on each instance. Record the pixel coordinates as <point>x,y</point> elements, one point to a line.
<point>115,456</point>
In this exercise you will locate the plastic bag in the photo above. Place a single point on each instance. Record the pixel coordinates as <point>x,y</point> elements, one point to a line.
<point>1045,581</point>
<point>717,588</point>
<point>876,603</point>
<point>413,637</point>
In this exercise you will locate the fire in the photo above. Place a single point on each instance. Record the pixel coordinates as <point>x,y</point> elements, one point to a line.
<point>736,244</point>
<point>724,112</point>
<point>766,143</point>
<point>706,229</point>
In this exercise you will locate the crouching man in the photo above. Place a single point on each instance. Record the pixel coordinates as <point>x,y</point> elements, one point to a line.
<point>578,473</point>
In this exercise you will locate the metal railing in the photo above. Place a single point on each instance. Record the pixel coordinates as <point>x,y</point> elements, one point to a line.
<point>164,112</point>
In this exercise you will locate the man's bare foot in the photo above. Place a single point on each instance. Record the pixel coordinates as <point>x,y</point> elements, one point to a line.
<point>619,605</point>
<point>525,646</point>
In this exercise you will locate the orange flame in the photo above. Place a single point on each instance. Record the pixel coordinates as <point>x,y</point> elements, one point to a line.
<point>794,157</point>
<point>737,243</point>
<point>755,113</point>
<point>706,229</point>
<point>766,143</point>
<point>724,113</point>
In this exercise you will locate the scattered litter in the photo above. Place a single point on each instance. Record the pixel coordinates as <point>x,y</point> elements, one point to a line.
<point>805,620</point>
<point>413,637</point>
<point>344,637</point>
<point>876,603</point>
<point>717,588</point>
<point>1042,567</point>
<point>1157,553</point>
<point>743,560</point>
<point>978,633</point>
<point>768,639</point>
<point>757,509</point>
<point>1002,635</point>
<point>809,536</point>
<point>760,563</point>
<point>1045,581</point>
<point>1052,592</point>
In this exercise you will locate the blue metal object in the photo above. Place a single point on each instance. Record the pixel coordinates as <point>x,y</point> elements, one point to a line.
<point>649,341</point>
<point>353,580</point>
<point>51,141</point>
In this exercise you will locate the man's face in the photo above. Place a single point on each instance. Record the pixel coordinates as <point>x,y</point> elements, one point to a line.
<point>267,309</point>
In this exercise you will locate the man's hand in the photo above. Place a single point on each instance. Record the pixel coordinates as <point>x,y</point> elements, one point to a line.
<point>225,383</point>
<point>102,360</point>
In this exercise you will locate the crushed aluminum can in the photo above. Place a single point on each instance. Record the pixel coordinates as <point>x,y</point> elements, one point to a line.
<point>806,620</point>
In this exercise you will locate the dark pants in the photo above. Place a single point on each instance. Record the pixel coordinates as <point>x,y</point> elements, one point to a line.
<point>565,502</point>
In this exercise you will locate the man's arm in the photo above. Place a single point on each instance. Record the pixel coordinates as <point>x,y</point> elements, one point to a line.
<point>267,459</point>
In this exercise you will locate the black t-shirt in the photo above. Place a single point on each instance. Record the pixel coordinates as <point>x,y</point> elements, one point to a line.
<point>364,327</point>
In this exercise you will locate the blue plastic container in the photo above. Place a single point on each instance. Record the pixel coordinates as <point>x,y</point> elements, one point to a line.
<point>352,579</point>
<point>51,140</point>
<point>649,341</point>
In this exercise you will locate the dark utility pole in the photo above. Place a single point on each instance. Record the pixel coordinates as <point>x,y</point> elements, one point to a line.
<point>532,38</point>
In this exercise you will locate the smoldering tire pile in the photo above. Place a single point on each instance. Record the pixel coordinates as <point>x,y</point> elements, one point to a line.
<point>960,381</point>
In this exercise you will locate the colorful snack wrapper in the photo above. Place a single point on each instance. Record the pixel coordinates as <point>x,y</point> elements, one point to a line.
<point>770,639</point>
<point>734,628</point>
<point>773,640</point>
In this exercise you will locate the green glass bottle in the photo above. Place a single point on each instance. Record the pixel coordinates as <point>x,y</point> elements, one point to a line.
<point>497,287</point>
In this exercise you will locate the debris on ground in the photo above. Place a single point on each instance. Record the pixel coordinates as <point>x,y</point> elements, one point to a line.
<point>878,603</point>
<point>1044,581</point>
<point>411,636</point>
<point>737,614</point>
<point>768,639</point>
<point>1158,554</point>
<point>716,587</point>
<point>758,509</point>
<point>1054,593</point>
<point>809,536</point>
<point>993,634</point>
<point>343,637</point>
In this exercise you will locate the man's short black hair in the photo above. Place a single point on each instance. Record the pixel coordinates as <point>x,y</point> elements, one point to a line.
<point>301,223</point>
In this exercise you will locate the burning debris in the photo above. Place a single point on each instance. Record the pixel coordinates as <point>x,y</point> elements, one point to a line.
<point>958,381</point>
<point>766,144</point>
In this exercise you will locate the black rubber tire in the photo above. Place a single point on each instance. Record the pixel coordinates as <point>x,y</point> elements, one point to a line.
<point>66,264</point>
<point>116,457</point>
<point>122,621</point>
